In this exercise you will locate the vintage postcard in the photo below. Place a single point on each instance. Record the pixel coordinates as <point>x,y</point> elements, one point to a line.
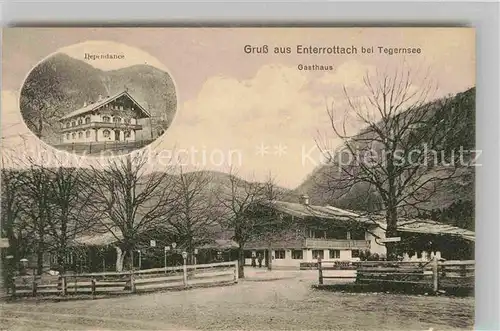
<point>238,178</point>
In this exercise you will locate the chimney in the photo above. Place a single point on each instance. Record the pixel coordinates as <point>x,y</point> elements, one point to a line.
<point>85,103</point>
<point>304,199</point>
<point>100,97</point>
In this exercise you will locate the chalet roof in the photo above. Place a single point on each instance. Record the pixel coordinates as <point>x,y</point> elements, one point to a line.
<point>327,212</point>
<point>221,244</point>
<point>98,239</point>
<point>415,225</point>
<point>433,227</point>
<point>95,105</point>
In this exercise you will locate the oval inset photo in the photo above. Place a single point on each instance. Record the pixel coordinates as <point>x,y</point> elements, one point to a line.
<point>98,97</point>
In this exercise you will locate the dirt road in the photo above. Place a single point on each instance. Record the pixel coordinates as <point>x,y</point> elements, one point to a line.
<point>285,304</point>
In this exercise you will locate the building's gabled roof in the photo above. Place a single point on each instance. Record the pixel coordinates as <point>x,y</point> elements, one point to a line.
<point>221,244</point>
<point>95,105</point>
<point>98,239</point>
<point>301,210</point>
<point>433,227</point>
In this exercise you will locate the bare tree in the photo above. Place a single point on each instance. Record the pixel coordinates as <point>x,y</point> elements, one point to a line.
<point>397,146</point>
<point>234,202</point>
<point>12,229</point>
<point>72,214</point>
<point>131,201</point>
<point>271,224</point>
<point>37,209</point>
<point>193,223</point>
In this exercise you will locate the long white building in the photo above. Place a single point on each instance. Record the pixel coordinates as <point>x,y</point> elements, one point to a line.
<point>109,119</point>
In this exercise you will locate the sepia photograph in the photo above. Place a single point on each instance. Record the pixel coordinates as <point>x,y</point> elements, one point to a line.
<point>290,179</point>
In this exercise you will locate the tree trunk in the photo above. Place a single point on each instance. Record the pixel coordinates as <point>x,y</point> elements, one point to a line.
<point>392,231</point>
<point>130,259</point>
<point>269,258</point>
<point>241,262</point>
<point>40,127</point>
<point>119,259</point>
<point>39,257</point>
<point>61,263</point>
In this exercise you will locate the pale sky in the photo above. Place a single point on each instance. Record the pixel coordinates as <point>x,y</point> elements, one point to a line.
<point>256,111</point>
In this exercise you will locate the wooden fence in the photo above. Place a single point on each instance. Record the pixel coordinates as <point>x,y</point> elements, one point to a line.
<point>99,147</point>
<point>434,274</point>
<point>109,283</point>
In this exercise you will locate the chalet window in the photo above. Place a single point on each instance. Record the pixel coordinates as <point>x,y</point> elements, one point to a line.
<point>355,253</point>
<point>334,254</point>
<point>80,134</point>
<point>106,133</point>
<point>73,123</point>
<point>73,135</point>
<point>279,255</point>
<point>248,254</point>
<point>106,119</point>
<point>127,120</point>
<point>297,254</point>
<point>318,253</point>
<point>67,136</point>
<point>80,121</point>
<point>87,120</point>
<point>87,133</point>
<point>127,134</point>
<point>117,119</point>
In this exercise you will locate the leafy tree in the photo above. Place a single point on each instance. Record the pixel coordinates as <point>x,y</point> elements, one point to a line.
<point>43,101</point>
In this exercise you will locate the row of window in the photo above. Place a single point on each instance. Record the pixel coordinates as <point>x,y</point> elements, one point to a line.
<point>114,107</point>
<point>297,254</point>
<point>105,133</point>
<point>106,119</point>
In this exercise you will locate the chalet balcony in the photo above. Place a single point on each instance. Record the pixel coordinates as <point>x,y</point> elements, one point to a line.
<point>336,244</point>
<point>310,243</point>
<point>102,125</point>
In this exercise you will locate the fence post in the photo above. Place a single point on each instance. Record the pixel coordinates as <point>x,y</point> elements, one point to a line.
<point>13,284</point>
<point>320,271</point>
<point>435,275</point>
<point>463,270</point>
<point>236,267</point>
<point>63,285</point>
<point>93,286</point>
<point>33,287</point>
<point>184,269</point>
<point>132,282</point>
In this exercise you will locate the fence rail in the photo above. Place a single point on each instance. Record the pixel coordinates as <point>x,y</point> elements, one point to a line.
<point>99,147</point>
<point>103,283</point>
<point>434,274</point>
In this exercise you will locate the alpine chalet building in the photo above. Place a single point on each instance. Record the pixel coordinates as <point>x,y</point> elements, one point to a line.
<point>111,119</point>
